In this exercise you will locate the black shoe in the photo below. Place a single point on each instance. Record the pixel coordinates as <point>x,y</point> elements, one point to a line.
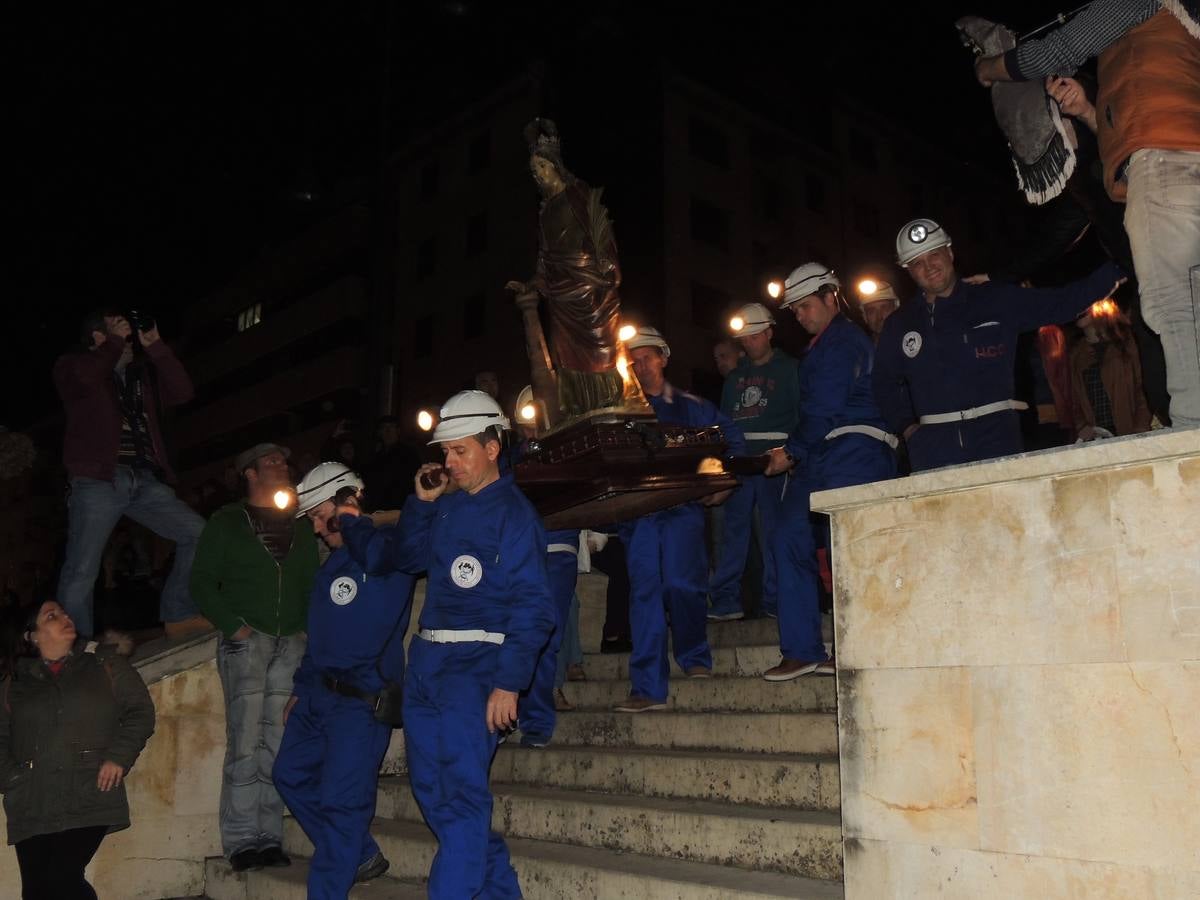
<point>372,868</point>
<point>617,645</point>
<point>274,857</point>
<point>246,861</point>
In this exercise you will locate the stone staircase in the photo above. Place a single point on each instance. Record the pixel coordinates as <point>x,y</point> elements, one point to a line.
<point>731,793</point>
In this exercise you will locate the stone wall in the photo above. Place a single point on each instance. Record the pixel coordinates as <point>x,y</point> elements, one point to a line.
<point>1019,675</point>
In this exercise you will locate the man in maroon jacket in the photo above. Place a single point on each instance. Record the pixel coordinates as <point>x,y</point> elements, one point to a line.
<point>116,461</point>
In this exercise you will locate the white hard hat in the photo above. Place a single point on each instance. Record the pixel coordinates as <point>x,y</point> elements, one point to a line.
<point>917,238</point>
<point>649,337</point>
<point>525,399</point>
<point>883,291</point>
<point>805,280</point>
<point>753,318</point>
<point>468,413</point>
<point>321,483</point>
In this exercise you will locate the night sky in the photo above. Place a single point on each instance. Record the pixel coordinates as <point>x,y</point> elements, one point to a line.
<point>158,148</point>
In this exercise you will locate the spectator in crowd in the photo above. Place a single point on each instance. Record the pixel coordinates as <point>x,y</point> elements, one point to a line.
<point>665,549</point>
<point>727,354</point>
<point>876,301</point>
<point>72,724</point>
<point>839,439</point>
<point>761,397</point>
<point>392,467</point>
<point>1084,204</point>
<point>114,396</point>
<point>943,375</point>
<point>488,382</point>
<point>327,769</point>
<point>1106,377</point>
<point>1147,120</point>
<point>252,576</point>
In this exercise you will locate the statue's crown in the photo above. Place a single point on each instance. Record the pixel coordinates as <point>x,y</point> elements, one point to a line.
<point>542,137</point>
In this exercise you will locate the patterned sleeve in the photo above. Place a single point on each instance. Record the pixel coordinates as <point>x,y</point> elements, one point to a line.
<point>1064,50</point>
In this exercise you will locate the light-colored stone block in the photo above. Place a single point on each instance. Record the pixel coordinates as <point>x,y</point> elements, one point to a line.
<point>188,693</point>
<point>1018,699</point>
<point>198,777</point>
<point>883,870</point>
<point>1096,762</point>
<point>908,756</point>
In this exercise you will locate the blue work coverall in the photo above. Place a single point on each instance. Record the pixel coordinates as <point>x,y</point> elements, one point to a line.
<point>328,763</point>
<point>668,565</point>
<point>958,355</point>
<point>535,709</point>
<point>485,555</point>
<point>835,392</point>
<point>761,401</point>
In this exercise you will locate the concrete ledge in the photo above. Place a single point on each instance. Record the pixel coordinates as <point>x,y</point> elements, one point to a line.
<point>1134,450</point>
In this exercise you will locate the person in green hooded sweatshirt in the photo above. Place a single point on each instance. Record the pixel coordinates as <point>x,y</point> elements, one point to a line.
<point>252,577</point>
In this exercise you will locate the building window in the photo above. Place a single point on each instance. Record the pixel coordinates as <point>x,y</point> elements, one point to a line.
<point>423,337</point>
<point>769,199</point>
<point>479,154</point>
<point>709,224</point>
<point>249,317</point>
<point>429,180</point>
<point>708,143</point>
<point>426,258</point>
<point>477,234</point>
<point>814,193</point>
<point>474,316</point>
<point>866,219</point>
<point>862,150</point>
<point>709,306</point>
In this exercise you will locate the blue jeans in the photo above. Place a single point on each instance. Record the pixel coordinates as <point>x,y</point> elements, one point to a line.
<point>256,676</point>
<point>1162,218</point>
<point>93,508</point>
<point>570,651</point>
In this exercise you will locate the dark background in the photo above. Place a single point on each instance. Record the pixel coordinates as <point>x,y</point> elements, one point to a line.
<point>158,148</point>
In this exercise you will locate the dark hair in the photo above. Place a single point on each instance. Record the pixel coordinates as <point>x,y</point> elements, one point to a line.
<point>488,435</point>
<point>17,622</point>
<point>94,321</point>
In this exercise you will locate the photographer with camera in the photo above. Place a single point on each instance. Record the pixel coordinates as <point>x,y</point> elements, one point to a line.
<point>345,694</point>
<point>114,394</point>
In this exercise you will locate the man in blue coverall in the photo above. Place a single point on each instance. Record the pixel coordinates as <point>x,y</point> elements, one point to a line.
<point>536,710</point>
<point>761,397</point>
<point>668,566</point>
<point>327,767</point>
<point>839,440</point>
<point>944,364</point>
<point>487,616</point>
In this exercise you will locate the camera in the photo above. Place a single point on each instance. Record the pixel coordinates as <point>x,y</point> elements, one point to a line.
<point>139,320</point>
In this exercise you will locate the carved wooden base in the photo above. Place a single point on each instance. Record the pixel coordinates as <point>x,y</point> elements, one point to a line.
<point>600,472</point>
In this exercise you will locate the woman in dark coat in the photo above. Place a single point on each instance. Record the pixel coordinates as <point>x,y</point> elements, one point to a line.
<point>72,723</point>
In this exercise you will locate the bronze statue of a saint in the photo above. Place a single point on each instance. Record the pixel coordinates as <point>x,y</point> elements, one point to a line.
<point>578,274</point>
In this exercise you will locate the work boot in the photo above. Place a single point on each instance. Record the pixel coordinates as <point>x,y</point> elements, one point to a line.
<point>639,704</point>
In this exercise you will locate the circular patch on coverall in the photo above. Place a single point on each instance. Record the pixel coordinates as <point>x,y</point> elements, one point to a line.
<point>466,571</point>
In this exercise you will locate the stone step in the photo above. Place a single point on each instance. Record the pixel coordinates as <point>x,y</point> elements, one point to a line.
<point>814,732</point>
<point>811,693</point>
<point>776,780</point>
<point>222,883</point>
<point>749,661</point>
<point>795,842</point>
<point>550,871</point>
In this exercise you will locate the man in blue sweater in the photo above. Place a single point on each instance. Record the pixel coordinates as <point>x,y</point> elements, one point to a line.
<point>668,566</point>
<point>487,616</point>
<point>762,397</point>
<point>839,440</point>
<point>944,364</point>
<point>327,767</point>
